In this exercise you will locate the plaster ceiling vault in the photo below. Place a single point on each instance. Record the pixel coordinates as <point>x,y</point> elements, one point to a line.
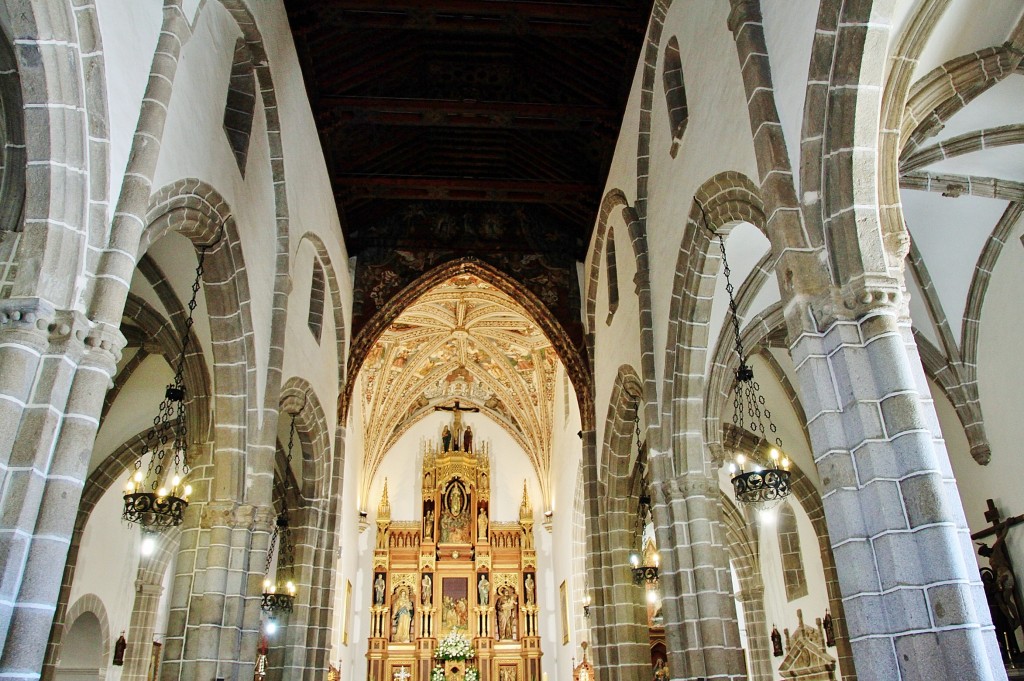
<point>463,340</point>
<point>457,128</point>
<point>961,189</point>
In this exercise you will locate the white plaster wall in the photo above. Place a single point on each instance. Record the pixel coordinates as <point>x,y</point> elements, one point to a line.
<point>195,145</point>
<point>566,457</point>
<point>316,362</point>
<point>350,658</point>
<point>616,344</point>
<point>789,35</point>
<point>133,411</point>
<point>717,138</point>
<point>129,30</point>
<point>1000,367</point>
<point>967,26</point>
<point>108,562</point>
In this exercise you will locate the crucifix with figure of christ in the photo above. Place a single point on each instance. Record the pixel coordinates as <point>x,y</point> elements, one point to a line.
<point>457,428</point>
<point>1000,582</point>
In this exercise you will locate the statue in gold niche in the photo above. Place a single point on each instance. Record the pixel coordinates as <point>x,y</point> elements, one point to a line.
<point>455,519</point>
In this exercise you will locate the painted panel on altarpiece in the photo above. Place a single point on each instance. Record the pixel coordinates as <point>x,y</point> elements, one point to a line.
<point>454,605</point>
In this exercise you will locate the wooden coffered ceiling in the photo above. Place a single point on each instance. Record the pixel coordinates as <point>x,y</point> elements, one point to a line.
<point>457,128</point>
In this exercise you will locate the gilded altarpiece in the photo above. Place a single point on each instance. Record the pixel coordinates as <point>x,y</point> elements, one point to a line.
<point>454,569</point>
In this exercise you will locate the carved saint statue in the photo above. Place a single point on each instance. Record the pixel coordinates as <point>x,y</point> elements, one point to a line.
<point>830,631</point>
<point>528,589</point>
<point>483,590</point>
<point>428,526</point>
<point>776,642</point>
<point>481,526</point>
<point>119,648</point>
<point>378,590</point>
<point>401,619</point>
<point>426,590</point>
<point>446,439</point>
<point>506,611</point>
<point>455,501</point>
<point>467,440</point>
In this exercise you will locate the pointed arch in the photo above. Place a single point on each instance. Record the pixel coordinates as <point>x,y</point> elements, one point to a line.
<point>323,255</point>
<point>618,623</point>
<point>727,199</point>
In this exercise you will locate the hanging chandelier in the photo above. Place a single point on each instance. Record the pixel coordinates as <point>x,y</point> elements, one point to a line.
<point>760,481</point>
<point>645,570</point>
<point>279,593</point>
<point>156,498</point>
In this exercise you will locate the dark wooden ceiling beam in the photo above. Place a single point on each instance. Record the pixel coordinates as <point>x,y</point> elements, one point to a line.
<point>530,11</point>
<point>464,114</point>
<point>353,187</point>
<point>543,19</point>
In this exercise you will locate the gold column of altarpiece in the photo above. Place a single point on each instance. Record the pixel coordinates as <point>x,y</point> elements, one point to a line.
<point>454,569</point>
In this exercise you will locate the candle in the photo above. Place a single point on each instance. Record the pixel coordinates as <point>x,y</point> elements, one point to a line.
<point>544,676</point>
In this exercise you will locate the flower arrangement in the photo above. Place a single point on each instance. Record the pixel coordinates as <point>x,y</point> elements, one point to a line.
<point>472,674</point>
<point>437,673</point>
<point>454,646</point>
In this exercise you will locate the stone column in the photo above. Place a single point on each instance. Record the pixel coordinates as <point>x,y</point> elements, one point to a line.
<point>222,631</point>
<point>752,597</point>
<point>625,606</point>
<point>914,603</point>
<point>46,464</point>
<point>701,631</point>
<point>139,654</point>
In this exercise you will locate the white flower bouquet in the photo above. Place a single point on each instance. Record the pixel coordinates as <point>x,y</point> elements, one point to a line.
<point>454,646</point>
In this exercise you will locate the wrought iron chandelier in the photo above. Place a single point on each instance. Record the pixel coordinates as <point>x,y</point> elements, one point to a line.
<point>279,593</point>
<point>156,498</point>
<point>762,482</point>
<point>644,571</point>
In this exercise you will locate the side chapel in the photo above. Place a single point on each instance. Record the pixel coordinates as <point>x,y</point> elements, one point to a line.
<point>454,569</point>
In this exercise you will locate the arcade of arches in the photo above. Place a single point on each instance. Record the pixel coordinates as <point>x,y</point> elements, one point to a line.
<point>462,319</point>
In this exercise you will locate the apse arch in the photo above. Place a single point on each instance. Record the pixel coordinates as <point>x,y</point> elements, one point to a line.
<point>568,353</point>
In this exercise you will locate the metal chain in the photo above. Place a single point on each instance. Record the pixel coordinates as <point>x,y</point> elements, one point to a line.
<point>282,526</point>
<point>270,552</point>
<point>181,431</point>
<point>746,391</point>
<point>170,422</point>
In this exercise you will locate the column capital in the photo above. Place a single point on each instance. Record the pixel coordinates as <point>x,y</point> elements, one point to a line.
<point>35,323</point>
<point>219,514</point>
<point>684,486</point>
